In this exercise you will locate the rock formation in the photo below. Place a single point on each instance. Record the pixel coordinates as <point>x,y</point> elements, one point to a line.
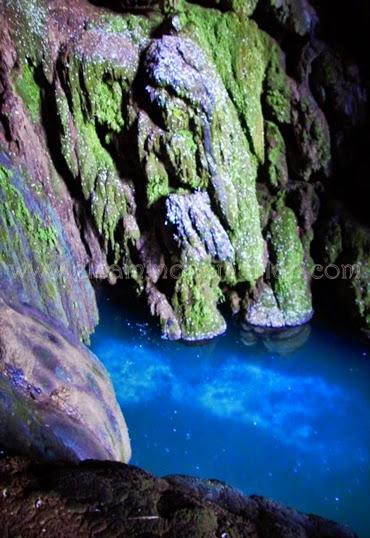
<point>108,499</point>
<point>56,399</point>
<point>200,152</point>
<point>195,142</point>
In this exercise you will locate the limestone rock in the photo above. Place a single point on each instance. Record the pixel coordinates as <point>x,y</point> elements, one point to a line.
<point>197,230</point>
<point>289,275</point>
<point>56,399</point>
<point>115,111</point>
<point>264,311</point>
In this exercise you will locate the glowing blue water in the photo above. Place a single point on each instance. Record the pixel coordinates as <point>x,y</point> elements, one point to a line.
<point>295,427</point>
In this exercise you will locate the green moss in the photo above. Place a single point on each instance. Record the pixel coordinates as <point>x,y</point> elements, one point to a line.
<point>237,47</point>
<point>195,301</point>
<point>243,7</point>
<point>277,93</point>
<point>51,290</point>
<point>313,135</point>
<point>157,179</point>
<point>289,271</point>
<point>104,85</point>
<point>137,27</point>
<point>355,242</point>
<point>334,243</point>
<point>321,138</point>
<point>29,91</point>
<point>29,27</point>
<point>172,7</point>
<point>14,212</point>
<point>97,88</point>
<point>276,163</point>
<point>66,139</point>
<point>235,185</point>
<point>182,153</point>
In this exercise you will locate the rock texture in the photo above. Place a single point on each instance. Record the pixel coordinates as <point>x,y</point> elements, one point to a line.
<point>56,399</point>
<point>193,147</point>
<point>113,500</point>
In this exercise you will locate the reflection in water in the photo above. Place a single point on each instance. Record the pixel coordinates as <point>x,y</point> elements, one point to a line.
<point>295,426</point>
<point>281,341</point>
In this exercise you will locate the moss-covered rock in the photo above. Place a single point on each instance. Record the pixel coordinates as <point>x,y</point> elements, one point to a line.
<point>37,260</point>
<point>201,241</point>
<point>292,16</point>
<point>276,163</point>
<point>284,297</point>
<point>29,28</point>
<point>288,271</point>
<point>277,92</point>
<point>223,152</point>
<point>344,246</point>
<point>195,301</point>
<point>311,133</point>
<point>29,91</point>
<point>238,49</point>
<point>100,69</point>
<point>157,123</point>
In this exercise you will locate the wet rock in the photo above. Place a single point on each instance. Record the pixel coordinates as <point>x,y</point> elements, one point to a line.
<point>112,499</point>
<point>117,115</point>
<point>311,132</point>
<point>41,260</point>
<point>289,275</point>
<point>264,311</point>
<point>56,399</point>
<point>283,298</point>
<point>201,147</point>
<point>212,137</point>
<point>160,307</point>
<point>197,230</point>
<point>276,163</point>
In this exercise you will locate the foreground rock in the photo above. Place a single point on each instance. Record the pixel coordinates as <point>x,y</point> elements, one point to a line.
<point>114,500</point>
<point>56,399</point>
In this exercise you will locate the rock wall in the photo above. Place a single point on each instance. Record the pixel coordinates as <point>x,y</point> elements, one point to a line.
<point>193,147</point>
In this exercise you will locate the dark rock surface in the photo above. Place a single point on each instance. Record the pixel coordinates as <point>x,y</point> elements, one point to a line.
<point>102,499</point>
<point>56,399</point>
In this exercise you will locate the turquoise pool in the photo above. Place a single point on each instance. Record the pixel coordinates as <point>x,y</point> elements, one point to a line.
<point>285,417</point>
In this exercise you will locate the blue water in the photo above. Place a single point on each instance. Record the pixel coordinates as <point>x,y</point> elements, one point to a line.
<point>288,419</point>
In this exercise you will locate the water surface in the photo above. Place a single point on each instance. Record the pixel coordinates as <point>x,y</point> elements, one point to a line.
<point>288,419</point>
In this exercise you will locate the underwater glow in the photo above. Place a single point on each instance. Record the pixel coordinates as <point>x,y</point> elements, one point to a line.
<point>285,418</point>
